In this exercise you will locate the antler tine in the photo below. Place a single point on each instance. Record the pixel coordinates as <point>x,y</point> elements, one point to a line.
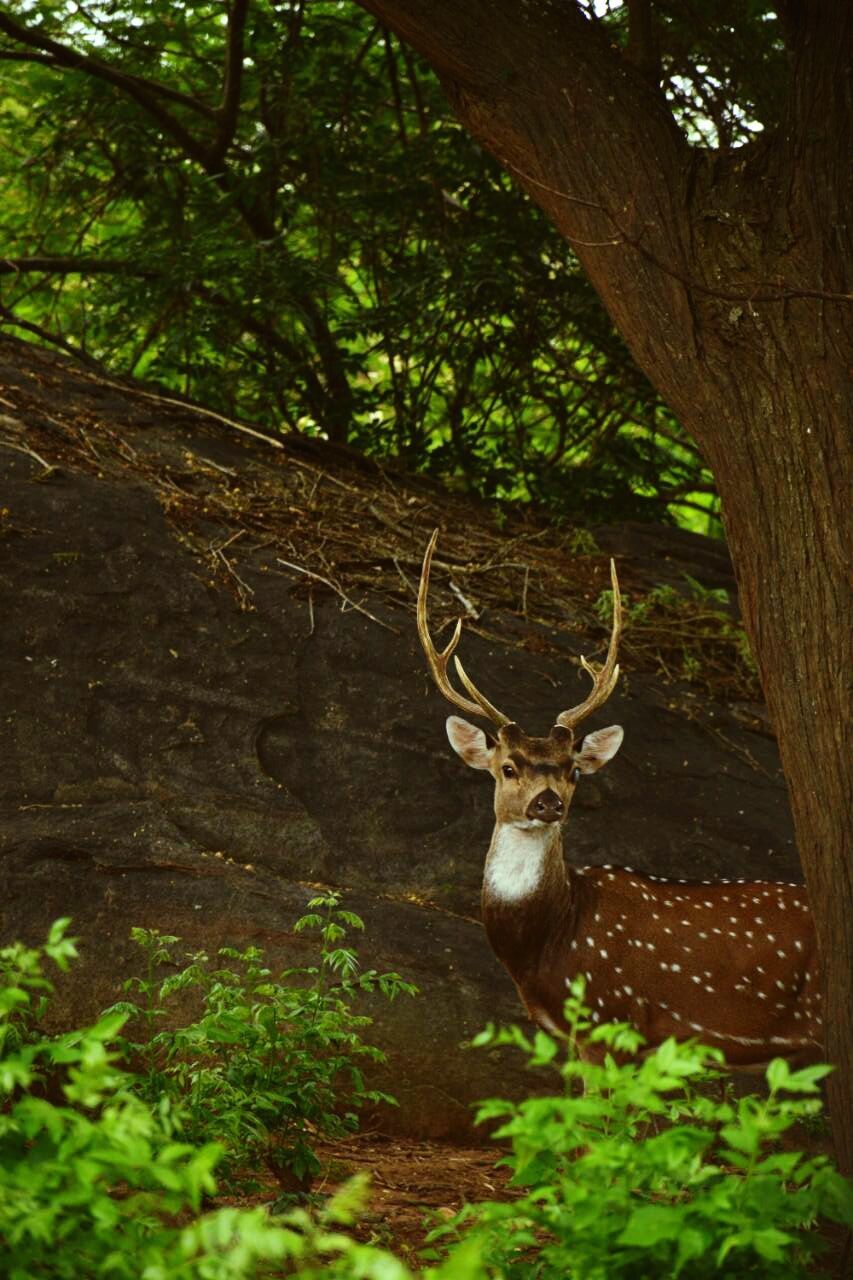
<point>603,680</point>
<point>438,661</point>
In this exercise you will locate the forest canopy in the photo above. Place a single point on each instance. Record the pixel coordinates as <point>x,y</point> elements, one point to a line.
<point>272,210</point>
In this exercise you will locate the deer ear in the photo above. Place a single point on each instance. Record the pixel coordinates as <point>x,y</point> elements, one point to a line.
<point>599,747</point>
<point>472,744</point>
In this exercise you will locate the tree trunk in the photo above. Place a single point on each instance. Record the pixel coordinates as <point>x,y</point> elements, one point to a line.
<point>724,272</point>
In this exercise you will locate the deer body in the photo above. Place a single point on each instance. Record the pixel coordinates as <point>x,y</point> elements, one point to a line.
<point>737,968</point>
<point>733,963</point>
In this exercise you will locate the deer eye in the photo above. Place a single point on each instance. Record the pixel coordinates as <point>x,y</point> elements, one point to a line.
<point>508,771</point>
<point>576,773</point>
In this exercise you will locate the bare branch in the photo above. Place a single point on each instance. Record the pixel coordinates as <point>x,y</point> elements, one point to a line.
<point>333,586</point>
<point>73,266</point>
<point>29,326</point>
<point>233,80</point>
<point>642,48</point>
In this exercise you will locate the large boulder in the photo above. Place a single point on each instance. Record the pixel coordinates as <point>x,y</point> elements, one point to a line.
<point>194,735</point>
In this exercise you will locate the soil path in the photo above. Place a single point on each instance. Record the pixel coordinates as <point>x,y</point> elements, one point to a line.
<point>414,1184</point>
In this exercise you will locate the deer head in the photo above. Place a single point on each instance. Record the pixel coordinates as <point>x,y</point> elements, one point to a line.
<point>535,778</point>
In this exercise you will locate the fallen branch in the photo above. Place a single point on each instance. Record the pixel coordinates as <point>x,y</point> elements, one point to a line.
<point>333,586</point>
<point>31,453</point>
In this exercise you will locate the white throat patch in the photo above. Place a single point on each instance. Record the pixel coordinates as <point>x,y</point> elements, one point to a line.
<point>516,861</point>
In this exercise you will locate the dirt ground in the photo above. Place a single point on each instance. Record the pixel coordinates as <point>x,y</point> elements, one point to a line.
<point>414,1184</point>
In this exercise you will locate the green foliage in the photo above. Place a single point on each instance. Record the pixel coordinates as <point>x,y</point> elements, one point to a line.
<point>60,1163</point>
<point>318,248</point>
<point>629,1171</point>
<point>635,1174</point>
<point>267,1064</point>
<point>111,1180</point>
<point>690,635</point>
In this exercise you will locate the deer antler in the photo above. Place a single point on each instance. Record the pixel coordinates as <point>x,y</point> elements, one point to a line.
<point>438,661</point>
<point>604,679</point>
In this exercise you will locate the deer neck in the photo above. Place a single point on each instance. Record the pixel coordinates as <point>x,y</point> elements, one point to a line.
<point>526,900</point>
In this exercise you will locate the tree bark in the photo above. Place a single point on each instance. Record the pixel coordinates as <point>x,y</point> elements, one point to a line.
<point>726,275</point>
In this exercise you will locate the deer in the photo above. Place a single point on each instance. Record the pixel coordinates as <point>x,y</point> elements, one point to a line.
<point>731,962</point>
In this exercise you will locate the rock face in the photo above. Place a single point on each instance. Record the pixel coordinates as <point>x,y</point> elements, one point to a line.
<point>171,759</point>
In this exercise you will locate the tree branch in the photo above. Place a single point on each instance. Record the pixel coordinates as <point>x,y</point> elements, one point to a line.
<point>144,93</point>
<point>642,48</point>
<point>59,55</point>
<point>233,80</point>
<point>814,144</point>
<point>29,326</point>
<point>394,80</point>
<point>69,266</point>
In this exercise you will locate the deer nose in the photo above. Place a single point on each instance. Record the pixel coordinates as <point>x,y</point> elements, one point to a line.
<point>547,806</point>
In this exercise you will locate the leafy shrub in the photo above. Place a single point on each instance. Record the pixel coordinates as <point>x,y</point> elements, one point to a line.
<point>87,1187</point>
<point>638,1175</point>
<point>106,1184</point>
<point>269,1062</point>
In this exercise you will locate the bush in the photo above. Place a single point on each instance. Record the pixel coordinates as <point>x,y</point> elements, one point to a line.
<point>86,1187</point>
<point>638,1175</point>
<point>629,1171</point>
<point>106,1182</point>
<point>269,1063</point>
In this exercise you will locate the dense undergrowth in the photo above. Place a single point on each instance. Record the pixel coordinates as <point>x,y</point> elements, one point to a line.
<point>115,1137</point>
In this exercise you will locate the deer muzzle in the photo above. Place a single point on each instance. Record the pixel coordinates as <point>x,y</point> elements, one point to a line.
<point>546,807</point>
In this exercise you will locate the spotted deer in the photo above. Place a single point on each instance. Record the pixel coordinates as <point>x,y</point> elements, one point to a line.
<point>732,962</point>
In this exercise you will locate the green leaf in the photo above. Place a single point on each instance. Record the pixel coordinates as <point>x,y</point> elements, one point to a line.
<point>778,1074</point>
<point>651,1224</point>
<point>806,1079</point>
